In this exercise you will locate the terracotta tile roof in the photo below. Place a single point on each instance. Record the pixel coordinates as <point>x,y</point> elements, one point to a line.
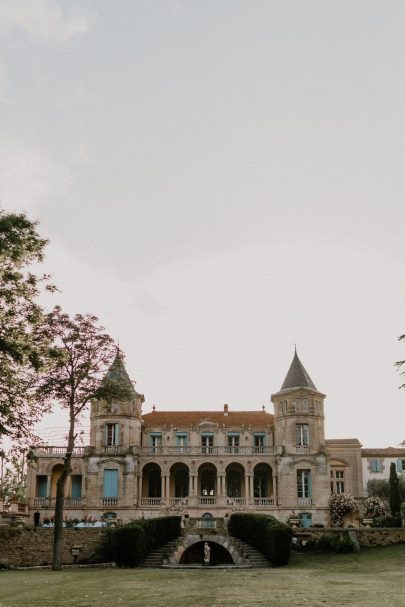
<point>387,452</point>
<point>234,419</point>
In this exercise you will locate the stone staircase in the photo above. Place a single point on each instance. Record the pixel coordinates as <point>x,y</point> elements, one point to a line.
<point>252,556</point>
<point>156,557</point>
<point>243,554</point>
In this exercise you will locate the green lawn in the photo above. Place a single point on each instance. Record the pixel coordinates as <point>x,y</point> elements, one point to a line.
<point>373,577</point>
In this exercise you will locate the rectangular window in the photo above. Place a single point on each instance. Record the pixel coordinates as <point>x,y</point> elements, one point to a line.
<point>207,442</point>
<point>258,442</point>
<point>42,486</point>
<point>77,485</point>
<point>337,484</point>
<point>400,465</point>
<point>304,483</point>
<point>302,435</point>
<point>156,441</point>
<point>181,442</point>
<point>112,435</point>
<point>376,465</point>
<point>233,442</point>
<point>110,483</point>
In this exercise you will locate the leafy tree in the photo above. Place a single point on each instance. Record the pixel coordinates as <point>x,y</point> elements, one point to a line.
<point>401,363</point>
<point>81,352</point>
<point>395,498</point>
<point>22,343</point>
<point>13,484</point>
<point>378,488</point>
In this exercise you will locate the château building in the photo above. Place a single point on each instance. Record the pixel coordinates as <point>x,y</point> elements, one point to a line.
<point>204,464</point>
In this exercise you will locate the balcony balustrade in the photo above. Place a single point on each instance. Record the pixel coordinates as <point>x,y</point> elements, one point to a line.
<point>223,450</point>
<point>303,502</point>
<point>49,502</point>
<point>109,502</point>
<point>302,449</point>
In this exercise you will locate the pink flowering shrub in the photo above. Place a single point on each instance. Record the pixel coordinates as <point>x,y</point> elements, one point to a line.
<point>373,507</point>
<point>341,504</point>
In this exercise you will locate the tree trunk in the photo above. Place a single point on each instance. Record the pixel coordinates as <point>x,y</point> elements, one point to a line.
<point>59,511</point>
<point>60,502</point>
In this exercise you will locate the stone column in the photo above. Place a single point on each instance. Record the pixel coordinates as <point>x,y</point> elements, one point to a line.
<point>275,490</point>
<point>247,482</point>
<point>252,490</point>
<point>48,485</point>
<point>168,488</point>
<point>163,486</point>
<point>139,490</point>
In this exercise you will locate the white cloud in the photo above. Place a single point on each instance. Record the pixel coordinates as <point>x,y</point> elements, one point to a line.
<point>42,18</point>
<point>29,176</point>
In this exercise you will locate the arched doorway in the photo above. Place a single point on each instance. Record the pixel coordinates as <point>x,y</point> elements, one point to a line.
<point>194,554</point>
<point>262,481</point>
<point>151,481</point>
<point>56,472</point>
<point>179,480</point>
<point>235,480</point>
<point>207,480</point>
<point>207,521</point>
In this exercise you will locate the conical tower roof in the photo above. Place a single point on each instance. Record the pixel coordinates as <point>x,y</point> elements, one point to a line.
<point>297,376</point>
<point>117,374</point>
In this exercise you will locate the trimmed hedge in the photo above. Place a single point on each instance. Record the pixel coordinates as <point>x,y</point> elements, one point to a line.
<point>331,542</point>
<point>264,532</point>
<point>128,545</point>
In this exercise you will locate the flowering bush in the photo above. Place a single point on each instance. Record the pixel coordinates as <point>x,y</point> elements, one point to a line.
<point>373,506</point>
<point>340,504</point>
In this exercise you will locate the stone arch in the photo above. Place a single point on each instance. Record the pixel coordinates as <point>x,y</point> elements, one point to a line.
<point>262,481</point>
<point>179,480</point>
<point>207,484</point>
<point>217,543</point>
<point>194,554</point>
<point>57,470</point>
<point>235,480</point>
<point>151,480</point>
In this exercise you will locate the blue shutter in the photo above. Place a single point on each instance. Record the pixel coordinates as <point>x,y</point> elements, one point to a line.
<point>110,483</point>
<point>309,483</point>
<point>152,434</point>
<point>184,436</point>
<point>77,485</point>
<point>399,465</point>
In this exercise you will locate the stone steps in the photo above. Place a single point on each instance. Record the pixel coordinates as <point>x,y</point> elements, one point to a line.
<point>156,557</point>
<point>252,556</point>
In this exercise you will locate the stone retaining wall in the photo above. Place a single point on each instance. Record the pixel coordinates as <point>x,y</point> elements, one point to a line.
<point>366,537</point>
<point>20,547</point>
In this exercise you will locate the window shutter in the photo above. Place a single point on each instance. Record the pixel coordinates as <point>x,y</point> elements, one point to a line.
<point>309,483</point>
<point>110,483</point>
<point>105,435</point>
<point>117,434</point>
<point>399,465</point>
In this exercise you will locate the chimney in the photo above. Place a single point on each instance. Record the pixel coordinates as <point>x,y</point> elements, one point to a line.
<point>225,409</point>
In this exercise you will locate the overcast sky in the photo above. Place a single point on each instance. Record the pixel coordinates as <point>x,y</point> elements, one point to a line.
<point>220,180</point>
